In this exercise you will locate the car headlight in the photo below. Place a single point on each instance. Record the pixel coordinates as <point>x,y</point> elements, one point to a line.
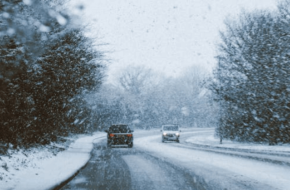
<point>177,134</point>
<point>164,134</point>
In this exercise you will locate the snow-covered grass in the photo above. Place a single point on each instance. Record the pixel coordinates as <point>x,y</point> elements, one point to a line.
<point>209,139</point>
<point>41,168</point>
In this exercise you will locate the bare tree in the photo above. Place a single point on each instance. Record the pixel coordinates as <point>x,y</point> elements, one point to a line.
<point>137,79</point>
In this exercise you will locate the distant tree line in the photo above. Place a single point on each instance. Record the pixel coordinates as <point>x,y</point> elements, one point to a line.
<point>252,79</point>
<point>47,67</point>
<point>144,99</point>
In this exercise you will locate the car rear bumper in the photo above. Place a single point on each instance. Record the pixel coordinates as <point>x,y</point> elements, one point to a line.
<point>121,139</point>
<point>173,138</point>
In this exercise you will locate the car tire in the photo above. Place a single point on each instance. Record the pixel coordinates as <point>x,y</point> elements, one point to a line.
<point>163,140</point>
<point>177,140</point>
<point>130,145</point>
<point>109,145</point>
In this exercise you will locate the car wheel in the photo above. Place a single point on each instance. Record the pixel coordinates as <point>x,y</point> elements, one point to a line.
<point>177,140</point>
<point>163,140</point>
<point>130,145</point>
<point>109,145</point>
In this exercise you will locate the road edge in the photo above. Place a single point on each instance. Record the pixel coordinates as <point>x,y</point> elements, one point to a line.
<point>66,181</point>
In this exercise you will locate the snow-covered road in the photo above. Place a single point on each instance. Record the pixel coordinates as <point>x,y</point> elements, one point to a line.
<point>197,162</point>
<point>151,164</point>
<point>219,170</point>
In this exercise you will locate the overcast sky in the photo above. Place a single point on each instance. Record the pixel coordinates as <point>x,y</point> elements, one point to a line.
<point>165,35</point>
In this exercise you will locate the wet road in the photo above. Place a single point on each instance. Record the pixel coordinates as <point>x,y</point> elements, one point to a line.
<point>128,168</point>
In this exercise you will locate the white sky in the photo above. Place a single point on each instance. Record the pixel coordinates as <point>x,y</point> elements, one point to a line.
<point>166,35</point>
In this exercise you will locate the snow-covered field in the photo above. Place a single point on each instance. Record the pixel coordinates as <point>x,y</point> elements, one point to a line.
<point>42,169</point>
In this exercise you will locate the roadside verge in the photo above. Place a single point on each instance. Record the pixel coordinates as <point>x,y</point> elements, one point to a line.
<point>51,173</point>
<point>279,154</point>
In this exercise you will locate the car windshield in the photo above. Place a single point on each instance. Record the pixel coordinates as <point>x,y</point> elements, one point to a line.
<point>170,128</point>
<point>119,129</point>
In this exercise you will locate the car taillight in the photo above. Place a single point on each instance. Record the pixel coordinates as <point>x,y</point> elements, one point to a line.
<point>111,135</point>
<point>129,135</point>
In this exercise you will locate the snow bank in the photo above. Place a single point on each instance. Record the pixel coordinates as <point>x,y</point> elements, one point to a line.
<point>40,169</point>
<point>209,140</point>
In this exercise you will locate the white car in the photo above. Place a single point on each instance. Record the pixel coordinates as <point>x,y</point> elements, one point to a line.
<point>170,133</point>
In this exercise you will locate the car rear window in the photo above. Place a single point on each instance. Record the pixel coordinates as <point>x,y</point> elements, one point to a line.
<point>170,128</point>
<point>119,129</point>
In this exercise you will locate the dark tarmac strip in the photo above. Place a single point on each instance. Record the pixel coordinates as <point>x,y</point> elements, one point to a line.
<point>123,168</point>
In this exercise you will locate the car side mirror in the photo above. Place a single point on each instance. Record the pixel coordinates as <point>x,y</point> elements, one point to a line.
<point>106,130</point>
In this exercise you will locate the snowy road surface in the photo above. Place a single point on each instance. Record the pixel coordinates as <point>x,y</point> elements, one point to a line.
<point>151,164</point>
